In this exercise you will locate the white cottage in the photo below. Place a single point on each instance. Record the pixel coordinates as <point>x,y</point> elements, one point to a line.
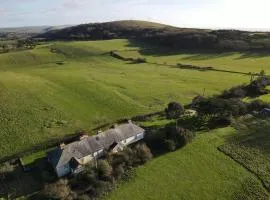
<point>72,157</point>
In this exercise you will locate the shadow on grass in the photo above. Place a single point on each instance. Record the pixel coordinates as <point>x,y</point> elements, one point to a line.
<point>254,54</point>
<point>149,49</point>
<point>254,133</point>
<point>15,182</point>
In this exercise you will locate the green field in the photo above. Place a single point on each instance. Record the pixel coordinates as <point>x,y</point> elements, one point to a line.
<point>46,94</point>
<point>234,61</point>
<point>59,88</point>
<point>199,171</point>
<point>251,147</point>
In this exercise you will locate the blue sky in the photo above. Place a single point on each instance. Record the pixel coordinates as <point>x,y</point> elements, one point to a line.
<point>243,14</point>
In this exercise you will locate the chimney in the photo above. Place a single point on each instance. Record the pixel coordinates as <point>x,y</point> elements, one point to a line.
<point>62,145</point>
<point>84,136</point>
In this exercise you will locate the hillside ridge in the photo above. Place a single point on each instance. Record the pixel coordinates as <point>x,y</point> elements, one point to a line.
<point>163,35</point>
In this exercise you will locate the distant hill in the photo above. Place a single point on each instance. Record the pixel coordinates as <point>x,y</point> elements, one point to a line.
<point>111,30</point>
<point>164,35</point>
<point>29,31</point>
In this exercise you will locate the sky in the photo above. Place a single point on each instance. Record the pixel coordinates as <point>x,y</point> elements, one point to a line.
<point>238,14</point>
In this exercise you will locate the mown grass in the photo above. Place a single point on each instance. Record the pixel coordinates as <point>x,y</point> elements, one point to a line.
<point>198,171</point>
<point>88,88</point>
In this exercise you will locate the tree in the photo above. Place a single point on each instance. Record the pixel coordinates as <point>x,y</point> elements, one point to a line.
<point>174,110</point>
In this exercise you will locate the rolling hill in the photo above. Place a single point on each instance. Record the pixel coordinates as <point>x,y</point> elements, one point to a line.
<point>28,31</point>
<point>63,87</point>
<point>164,35</point>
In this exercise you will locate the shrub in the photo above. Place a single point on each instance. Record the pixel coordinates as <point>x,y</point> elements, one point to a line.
<point>90,175</point>
<point>102,188</point>
<point>170,145</point>
<point>216,106</point>
<point>262,73</point>
<point>58,190</point>
<point>131,157</point>
<point>140,60</point>
<point>130,174</point>
<point>84,197</point>
<point>221,121</point>
<point>179,136</point>
<point>257,87</point>
<point>174,110</point>
<point>118,171</point>
<point>234,92</point>
<point>142,153</point>
<point>257,105</point>
<point>104,169</point>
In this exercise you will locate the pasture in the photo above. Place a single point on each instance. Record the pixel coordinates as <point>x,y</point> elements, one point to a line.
<point>250,147</point>
<point>233,61</point>
<point>59,88</point>
<point>198,171</point>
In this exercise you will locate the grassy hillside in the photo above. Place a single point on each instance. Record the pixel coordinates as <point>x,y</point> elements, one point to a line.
<point>62,87</point>
<point>251,147</point>
<point>234,61</point>
<point>199,171</point>
<point>163,35</point>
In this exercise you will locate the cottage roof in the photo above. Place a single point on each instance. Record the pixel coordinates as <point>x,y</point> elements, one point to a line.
<point>92,144</point>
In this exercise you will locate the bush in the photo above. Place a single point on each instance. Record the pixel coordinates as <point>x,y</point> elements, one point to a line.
<point>221,121</point>
<point>84,197</point>
<point>58,190</point>
<point>170,145</point>
<point>216,106</point>
<point>257,105</point>
<point>234,92</point>
<point>89,176</point>
<point>118,171</point>
<point>139,60</point>
<point>102,188</point>
<point>104,169</point>
<point>142,153</point>
<point>174,110</point>
<point>179,136</point>
<point>257,87</point>
<point>131,157</point>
